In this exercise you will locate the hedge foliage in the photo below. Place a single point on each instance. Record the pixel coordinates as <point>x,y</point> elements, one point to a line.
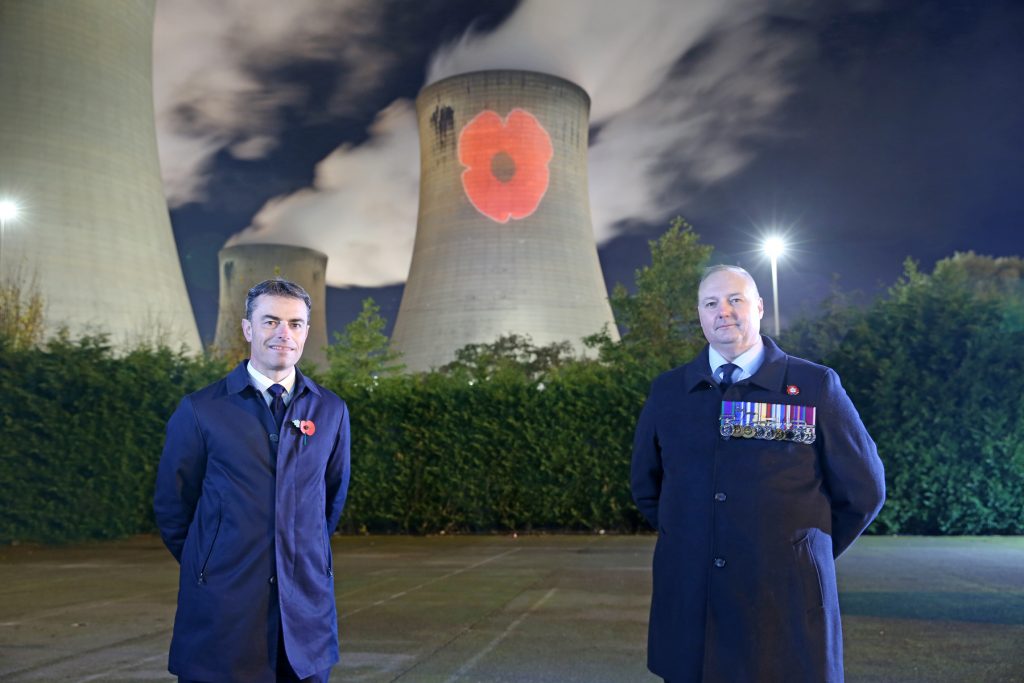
<point>936,371</point>
<point>446,453</point>
<point>541,442</point>
<point>82,432</point>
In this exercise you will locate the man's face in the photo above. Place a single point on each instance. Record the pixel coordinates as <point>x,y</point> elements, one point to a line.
<point>276,334</point>
<point>730,312</point>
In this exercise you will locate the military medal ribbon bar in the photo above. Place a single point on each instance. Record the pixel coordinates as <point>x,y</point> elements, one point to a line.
<point>767,421</point>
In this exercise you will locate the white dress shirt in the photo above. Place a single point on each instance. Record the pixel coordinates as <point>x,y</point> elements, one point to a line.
<point>748,362</point>
<point>262,383</point>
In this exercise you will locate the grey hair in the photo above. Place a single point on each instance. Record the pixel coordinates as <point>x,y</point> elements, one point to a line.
<point>276,287</point>
<point>711,270</point>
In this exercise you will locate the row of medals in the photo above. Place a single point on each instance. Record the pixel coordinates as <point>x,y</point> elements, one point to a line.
<point>768,431</point>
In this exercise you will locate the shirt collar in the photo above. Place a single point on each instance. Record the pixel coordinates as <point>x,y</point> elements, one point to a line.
<point>748,362</point>
<point>262,382</point>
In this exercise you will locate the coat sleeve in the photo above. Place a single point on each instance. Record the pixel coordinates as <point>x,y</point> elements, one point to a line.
<point>179,479</point>
<point>853,472</point>
<point>338,472</point>
<point>645,471</point>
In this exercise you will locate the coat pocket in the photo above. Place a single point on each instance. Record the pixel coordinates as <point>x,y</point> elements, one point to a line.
<point>205,551</point>
<point>809,569</point>
<point>328,555</point>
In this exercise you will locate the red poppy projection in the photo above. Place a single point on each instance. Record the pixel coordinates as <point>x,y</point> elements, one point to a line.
<point>506,164</point>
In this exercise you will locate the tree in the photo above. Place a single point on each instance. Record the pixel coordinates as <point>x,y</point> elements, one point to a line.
<point>21,315</point>
<point>661,328</point>
<point>935,369</point>
<point>362,353</point>
<point>511,354</point>
<point>817,336</point>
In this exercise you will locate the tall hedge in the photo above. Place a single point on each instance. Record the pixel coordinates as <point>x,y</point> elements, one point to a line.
<point>80,436</point>
<point>82,432</point>
<point>443,453</point>
<point>934,367</point>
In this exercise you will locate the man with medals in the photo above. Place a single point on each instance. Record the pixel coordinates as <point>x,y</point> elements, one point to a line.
<point>757,472</point>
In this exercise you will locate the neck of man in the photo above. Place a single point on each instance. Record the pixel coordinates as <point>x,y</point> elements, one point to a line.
<point>272,374</point>
<point>731,352</point>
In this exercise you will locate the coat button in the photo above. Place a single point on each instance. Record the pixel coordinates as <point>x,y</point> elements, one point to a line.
<point>720,497</point>
<point>719,562</point>
<point>273,438</point>
<point>272,580</point>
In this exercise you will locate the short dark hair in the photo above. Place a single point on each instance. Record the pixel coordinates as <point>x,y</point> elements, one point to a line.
<point>276,287</point>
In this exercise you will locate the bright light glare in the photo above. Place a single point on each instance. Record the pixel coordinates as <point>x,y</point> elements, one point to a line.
<point>774,247</point>
<point>8,210</point>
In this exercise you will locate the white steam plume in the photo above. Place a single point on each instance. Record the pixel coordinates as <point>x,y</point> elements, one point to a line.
<point>208,61</point>
<point>677,91</point>
<point>361,210</point>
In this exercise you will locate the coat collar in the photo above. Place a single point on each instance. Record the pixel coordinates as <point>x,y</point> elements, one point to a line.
<point>771,375</point>
<point>238,381</point>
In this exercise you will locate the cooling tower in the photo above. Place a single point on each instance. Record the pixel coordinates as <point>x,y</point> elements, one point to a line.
<point>245,265</point>
<point>504,242</point>
<point>78,153</point>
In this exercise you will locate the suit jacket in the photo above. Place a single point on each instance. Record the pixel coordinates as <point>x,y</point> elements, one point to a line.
<point>748,529</point>
<point>248,510</point>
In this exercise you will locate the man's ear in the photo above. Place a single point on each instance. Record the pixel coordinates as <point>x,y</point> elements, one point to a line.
<point>247,330</point>
<point>760,308</point>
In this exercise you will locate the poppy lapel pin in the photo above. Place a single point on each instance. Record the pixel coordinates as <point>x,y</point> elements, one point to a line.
<point>307,427</point>
<point>793,390</point>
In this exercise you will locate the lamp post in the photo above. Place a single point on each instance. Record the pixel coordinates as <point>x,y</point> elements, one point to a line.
<point>9,210</point>
<point>774,247</point>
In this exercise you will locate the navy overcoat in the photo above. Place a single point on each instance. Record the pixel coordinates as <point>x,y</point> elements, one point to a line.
<point>748,530</point>
<point>248,512</point>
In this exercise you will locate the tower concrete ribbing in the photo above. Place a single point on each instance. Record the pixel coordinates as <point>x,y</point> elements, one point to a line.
<point>504,241</point>
<point>78,153</point>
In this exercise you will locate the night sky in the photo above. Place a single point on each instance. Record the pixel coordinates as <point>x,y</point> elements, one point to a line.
<point>865,131</point>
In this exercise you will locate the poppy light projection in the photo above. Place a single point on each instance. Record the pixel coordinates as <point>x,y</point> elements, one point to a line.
<point>506,163</point>
<point>504,241</point>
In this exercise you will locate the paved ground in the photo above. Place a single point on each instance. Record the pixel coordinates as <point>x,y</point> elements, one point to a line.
<point>493,608</point>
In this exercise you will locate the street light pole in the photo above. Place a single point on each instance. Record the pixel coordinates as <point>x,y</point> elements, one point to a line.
<point>774,246</point>
<point>8,212</point>
<point>775,292</point>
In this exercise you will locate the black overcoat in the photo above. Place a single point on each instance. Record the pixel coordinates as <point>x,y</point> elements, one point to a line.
<point>248,511</point>
<point>748,529</point>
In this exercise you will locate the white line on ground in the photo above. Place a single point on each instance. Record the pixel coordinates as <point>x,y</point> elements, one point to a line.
<point>472,661</point>
<point>427,583</point>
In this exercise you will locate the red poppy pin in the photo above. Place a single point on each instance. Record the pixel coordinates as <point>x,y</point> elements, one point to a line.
<point>792,390</point>
<point>506,163</point>
<point>306,427</point>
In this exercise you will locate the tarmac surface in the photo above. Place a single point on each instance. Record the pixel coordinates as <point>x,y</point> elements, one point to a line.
<point>532,609</point>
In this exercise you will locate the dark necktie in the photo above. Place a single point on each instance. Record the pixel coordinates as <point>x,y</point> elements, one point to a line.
<point>727,371</point>
<point>277,406</point>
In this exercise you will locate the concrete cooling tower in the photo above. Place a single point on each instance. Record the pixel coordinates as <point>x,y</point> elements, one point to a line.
<point>78,155</point>
<point>245,265</point>
<point>504,242</point>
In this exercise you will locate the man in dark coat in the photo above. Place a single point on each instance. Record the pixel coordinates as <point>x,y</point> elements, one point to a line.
<point>757,472</point>
<point>251,484</point>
